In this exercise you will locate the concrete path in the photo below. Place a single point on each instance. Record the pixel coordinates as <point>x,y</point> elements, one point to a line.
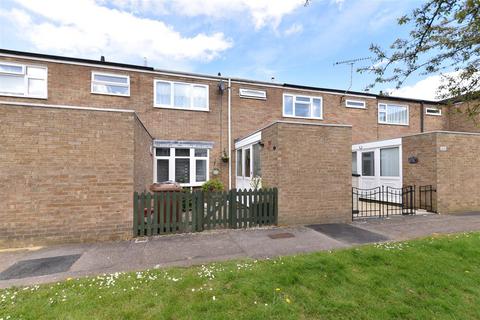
<point>197,248</point>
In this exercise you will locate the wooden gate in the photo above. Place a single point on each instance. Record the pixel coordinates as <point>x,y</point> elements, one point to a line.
<point>178,212</point>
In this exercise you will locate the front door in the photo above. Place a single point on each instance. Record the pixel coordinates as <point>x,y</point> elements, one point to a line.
<point>248,166</point>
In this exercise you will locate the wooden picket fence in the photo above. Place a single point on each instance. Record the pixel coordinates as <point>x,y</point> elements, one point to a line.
<point>179,212</point>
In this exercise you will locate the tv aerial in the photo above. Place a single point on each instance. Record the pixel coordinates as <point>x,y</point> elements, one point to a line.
<point>351,63</point>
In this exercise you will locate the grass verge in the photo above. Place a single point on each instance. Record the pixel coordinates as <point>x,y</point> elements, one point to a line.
<point>431,278</point>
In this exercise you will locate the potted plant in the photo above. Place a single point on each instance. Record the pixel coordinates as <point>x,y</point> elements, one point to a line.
<point>213,185</point>
<point>225,156</point>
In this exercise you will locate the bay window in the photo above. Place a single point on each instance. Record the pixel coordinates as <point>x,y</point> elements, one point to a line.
<point>185,165</point>
<point>392,114</point>
<point>302,106</point>
<point>180,95</point>
<point>23,80</point>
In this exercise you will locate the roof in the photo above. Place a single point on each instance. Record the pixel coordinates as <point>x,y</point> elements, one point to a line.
<point>151,69</point>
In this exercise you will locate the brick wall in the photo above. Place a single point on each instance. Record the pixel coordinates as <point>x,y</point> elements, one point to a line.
<point>70,84</point>
<point>424,172</point>
<point>311,166</point>
<point>66,175</point>
<point>448,161</point>
<point>459,119</point>
<point>458,177</point>
<point>143,161</point>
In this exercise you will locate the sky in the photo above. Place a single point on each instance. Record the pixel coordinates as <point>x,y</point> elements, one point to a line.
<point>253,39</point>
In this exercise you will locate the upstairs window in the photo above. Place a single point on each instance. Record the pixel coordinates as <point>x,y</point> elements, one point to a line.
<point>392,114</point>
<point>181,95</point>
<point>23,80</point>
<point>357,104</point>
<point>302,106</point>
<point>433,111</point>
<point>111,84</point>
<point>253,94</point>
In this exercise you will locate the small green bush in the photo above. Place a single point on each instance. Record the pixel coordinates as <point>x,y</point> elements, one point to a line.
<point>213,185</point>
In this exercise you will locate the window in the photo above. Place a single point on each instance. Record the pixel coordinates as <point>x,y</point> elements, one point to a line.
<point>355,104</point>
<point>181,95</point>
<point>23,80</point>
<point>392,114</point>
<point>368,164</point>
<point>239,163</point>
<point>433,111</point>
<point>354,162</point>
<point>302,106</point>
<point>253,94</point>
<point>187,166</point>
<point>111,84</point>
<point>257,167</point>
<point>389,162</point>
<point>247,162</point>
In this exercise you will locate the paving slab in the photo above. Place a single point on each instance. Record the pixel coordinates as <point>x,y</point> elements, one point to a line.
<point>347,233</point>
<point>39,267</point>
<point>416,226</point>
<point>257,243</point>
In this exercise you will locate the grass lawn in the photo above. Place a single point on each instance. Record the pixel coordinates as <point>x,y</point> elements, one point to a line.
<point>432,278</point>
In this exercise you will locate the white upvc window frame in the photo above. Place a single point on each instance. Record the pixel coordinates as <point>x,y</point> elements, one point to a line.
<point>26,77</point>
<point>93,82</point>
<point>294,101</point>
<point>254,94</point>
<point>193,165</point>
<point>172,98</point>
<point>355,101</point>
<point>437,111</point>
<point>386,114</point>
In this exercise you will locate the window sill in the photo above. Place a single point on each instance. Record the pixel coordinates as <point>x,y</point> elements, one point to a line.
<point>23,96</point>
<point>181,109</point>
<point>394,124</point>
<point>360,108</point>
<point>111,94</point>
<point>254,98</point>
<point>188,185</point>
<point>309,118</point>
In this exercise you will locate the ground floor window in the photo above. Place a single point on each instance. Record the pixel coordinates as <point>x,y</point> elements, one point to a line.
<point>368,164</point>
<point>187,166</point>
<point>389,162</point>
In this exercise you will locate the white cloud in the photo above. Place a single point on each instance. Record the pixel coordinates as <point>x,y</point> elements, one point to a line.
<point>86,28</point>
<point>293,29</point>
<point>423,89</point>
<point>260,12</point>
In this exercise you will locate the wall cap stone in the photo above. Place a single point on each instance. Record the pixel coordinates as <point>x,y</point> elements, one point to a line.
<point>296,123</point>
<point>59,106</point>
<point>442,132</point>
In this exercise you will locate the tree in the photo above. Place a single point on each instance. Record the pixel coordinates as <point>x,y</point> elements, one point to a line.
<point>445,37</point>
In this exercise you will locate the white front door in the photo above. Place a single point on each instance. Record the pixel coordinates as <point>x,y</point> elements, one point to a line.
<point>379,164</point>
<point>248,166</point>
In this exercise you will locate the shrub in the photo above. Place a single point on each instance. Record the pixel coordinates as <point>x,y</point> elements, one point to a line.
<point>213,185</point>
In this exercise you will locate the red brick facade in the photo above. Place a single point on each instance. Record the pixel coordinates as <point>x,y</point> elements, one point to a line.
<point>449,162</point>
<point>69,83</point>
<point>317,183</point>
<point>68,175</point>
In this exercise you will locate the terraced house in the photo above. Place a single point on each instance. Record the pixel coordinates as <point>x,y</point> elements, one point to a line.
<point>79,136</point>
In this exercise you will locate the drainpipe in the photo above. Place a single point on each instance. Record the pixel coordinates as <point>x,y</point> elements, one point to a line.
<point>422,117</point>
<point>229,133</point>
